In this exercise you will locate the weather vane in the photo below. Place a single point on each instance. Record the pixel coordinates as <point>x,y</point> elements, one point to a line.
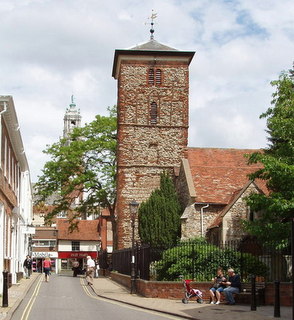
<point>153,16</point>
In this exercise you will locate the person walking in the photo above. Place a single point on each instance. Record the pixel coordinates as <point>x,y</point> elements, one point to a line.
<point>233,286</point>
<point>90,270</point>
<point>47,268</point>
<point>27,265</point>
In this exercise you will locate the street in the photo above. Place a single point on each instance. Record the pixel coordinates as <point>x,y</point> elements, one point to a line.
<point>65,297</point>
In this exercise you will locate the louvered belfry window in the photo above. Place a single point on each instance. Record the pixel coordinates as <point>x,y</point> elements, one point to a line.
<point>158,77</point>
<point>154,77</point>
<point>153,113</point>
<point>151,77</point>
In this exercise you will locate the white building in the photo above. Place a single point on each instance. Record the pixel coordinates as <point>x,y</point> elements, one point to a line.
<point>15,195</point>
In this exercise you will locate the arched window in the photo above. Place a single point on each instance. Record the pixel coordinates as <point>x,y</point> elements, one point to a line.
<point>153,113</point>
<point>151,77</point>
<point>158,77</point>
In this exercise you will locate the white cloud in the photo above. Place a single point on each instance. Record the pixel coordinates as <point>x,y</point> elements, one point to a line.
<point>53,49</point>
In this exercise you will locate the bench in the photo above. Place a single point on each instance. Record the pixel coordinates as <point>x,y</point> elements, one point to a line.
<point>244,296</point>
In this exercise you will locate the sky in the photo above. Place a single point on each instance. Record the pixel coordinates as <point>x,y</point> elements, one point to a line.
<point>52,49</point>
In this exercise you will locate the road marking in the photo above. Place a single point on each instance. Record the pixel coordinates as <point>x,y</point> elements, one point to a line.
<point>93,295</point>
<point>31,302</point>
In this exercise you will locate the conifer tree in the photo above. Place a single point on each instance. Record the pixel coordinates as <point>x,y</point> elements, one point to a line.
<point>159,216</point>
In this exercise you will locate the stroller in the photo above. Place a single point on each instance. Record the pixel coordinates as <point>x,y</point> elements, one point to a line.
<point>191,293</point>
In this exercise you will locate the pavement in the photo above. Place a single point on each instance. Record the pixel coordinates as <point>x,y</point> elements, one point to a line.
<point>109,290</point>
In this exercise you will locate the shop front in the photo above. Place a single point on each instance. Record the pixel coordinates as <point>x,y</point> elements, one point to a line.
<point>39,257</point>
<point>66,259</point>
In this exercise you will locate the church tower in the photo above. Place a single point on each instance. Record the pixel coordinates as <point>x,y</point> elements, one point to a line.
<point>153,97</point>
<point>72,119</point>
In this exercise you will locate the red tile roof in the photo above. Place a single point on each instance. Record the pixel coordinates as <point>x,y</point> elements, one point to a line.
<point>87,230</point>
<point>218,173</point>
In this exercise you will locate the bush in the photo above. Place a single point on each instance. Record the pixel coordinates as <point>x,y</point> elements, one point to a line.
<point>199,260</point>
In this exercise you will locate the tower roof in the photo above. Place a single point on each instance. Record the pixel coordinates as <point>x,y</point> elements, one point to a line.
<point>152,50</point>
<point>154,46</point>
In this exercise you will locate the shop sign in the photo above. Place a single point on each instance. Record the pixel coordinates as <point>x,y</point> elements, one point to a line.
<point>44,254</point>
<point>76,254</point>
<point>29,230</point>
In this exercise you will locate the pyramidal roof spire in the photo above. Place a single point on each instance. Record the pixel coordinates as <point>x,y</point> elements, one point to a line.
<point>153,16</point>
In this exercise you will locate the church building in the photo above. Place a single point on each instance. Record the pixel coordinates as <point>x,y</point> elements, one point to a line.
<point>153,112</point>
<point>153,120</point>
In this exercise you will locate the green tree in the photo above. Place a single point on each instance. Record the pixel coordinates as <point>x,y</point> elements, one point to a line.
<point>276,208</point>
<point>159,216</point>
<point>82,167</point>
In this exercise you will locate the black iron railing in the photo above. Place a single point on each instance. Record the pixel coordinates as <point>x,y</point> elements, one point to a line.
<point>199,260</point>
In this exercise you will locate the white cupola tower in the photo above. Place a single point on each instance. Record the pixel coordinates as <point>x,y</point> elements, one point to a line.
<point>72,119</point>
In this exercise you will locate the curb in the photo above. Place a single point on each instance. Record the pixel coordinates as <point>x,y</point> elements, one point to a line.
<point>19,300</point>
<point>142,307</point>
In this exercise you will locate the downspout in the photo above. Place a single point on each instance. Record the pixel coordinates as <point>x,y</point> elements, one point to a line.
<point>201,218</point>
<point>4,110</point>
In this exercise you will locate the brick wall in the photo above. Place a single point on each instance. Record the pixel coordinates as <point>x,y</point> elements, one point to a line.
<point>285,294</point>
<point>175,290</point>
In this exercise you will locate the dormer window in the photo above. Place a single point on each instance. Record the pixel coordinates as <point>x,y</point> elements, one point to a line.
<point>154,77</point>
<point>153,113</point>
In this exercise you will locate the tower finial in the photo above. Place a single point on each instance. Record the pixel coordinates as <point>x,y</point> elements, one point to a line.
<point>153,16</point>
<point>72,101</point>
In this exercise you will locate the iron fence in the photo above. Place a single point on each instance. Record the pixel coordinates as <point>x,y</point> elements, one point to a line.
<point>199,260</point>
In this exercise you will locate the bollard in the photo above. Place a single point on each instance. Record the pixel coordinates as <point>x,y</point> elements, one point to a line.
<point>5,289</point>
<point>277,313</point>
<point>253,293</point>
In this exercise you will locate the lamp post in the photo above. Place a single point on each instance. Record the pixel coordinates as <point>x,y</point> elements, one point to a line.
<point>133,211</point>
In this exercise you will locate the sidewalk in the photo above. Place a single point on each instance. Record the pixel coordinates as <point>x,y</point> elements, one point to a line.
<point>106,288</point>
<point>16,294</point>
<point>110,290</point>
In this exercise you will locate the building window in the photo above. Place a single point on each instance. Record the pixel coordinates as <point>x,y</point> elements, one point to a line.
<point>154,77</point>
<point>251,215</point>
<point>75,246</point>
<point>158,77</point>
<point>153,113</point>
<point>151,77</point>
<point>61,214</point>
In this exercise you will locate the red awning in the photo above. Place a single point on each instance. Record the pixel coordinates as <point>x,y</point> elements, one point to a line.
<point>76,254</point>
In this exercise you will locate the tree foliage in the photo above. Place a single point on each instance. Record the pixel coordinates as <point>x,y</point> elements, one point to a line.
<point>159,216</point>
<point>82,167</point>
<point>277,208</point>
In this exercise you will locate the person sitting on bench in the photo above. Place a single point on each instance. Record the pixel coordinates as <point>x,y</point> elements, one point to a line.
<point>233,286</point>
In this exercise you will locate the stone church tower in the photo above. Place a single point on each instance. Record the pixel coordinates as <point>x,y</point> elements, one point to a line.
<point>72,119</point>
<point>153,95</point>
